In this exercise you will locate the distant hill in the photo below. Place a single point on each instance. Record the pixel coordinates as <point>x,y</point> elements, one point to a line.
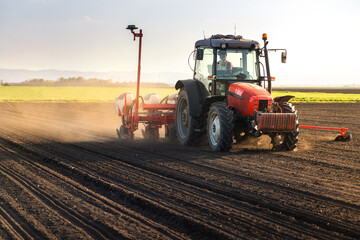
<point>20,75</point>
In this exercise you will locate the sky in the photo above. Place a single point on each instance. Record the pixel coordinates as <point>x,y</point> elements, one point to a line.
<point>320,36</point>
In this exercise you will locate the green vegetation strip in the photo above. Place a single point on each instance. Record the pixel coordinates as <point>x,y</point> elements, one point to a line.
<point>72,94</point>
<point>308,97</point>
<point>99,94</point>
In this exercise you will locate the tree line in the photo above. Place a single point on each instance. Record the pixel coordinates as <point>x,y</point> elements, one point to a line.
<point>82,82</point>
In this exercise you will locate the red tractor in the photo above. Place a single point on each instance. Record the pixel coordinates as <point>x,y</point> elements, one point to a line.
<point>227,97</point>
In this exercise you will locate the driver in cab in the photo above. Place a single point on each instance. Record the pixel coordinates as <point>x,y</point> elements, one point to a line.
<point>224,64</point>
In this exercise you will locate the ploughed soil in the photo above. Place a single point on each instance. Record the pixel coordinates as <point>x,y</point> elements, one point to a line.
<point>64,174</point>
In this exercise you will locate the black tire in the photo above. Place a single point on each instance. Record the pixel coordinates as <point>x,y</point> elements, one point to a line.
<point>220,125</point>
<point>171,133</point>
<point>286,141</point>
<point>188,129</point>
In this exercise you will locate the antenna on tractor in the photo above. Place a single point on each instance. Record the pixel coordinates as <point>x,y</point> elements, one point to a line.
<point>204,34</point>
<point>234,29</point>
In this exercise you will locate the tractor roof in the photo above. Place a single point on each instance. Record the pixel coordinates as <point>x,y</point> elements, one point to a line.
<point>231,41</point>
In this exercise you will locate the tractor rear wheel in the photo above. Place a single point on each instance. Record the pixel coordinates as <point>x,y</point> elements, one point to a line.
<point>286,141</point>
<point>188,129</point>
<point>220,126</point>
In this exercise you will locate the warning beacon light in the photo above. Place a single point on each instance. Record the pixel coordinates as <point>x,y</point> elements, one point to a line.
<point>264,36</point>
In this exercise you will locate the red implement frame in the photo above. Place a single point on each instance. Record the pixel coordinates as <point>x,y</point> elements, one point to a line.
<point>154,115</point>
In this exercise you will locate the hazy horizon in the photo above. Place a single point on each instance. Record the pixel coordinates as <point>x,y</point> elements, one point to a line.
<point>126,76</point>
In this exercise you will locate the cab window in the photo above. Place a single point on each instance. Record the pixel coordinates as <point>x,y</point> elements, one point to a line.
<point>204,67</point>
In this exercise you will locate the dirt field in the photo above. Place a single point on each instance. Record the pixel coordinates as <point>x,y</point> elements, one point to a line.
<point>65,175</point>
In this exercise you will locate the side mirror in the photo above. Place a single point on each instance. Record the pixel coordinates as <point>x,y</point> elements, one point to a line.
<point>200,54</point>
<point>283,57</point>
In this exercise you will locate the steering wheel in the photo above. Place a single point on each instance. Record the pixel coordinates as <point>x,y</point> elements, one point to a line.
<point>241,76</point>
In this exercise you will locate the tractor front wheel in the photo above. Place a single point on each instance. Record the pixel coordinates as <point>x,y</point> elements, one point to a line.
<point>220,127</point>
<point>286,141</point>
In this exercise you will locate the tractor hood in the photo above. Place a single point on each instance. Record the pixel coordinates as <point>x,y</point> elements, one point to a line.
<point>247,98</point>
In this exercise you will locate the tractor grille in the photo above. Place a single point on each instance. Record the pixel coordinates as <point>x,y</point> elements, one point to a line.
<point>276,122</point>
<point>263,105</point>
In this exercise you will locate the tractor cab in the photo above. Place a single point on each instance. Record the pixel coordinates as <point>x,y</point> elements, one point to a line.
<point>225,59</point>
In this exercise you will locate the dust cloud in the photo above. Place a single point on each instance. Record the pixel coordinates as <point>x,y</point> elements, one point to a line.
<point>65,122</point>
